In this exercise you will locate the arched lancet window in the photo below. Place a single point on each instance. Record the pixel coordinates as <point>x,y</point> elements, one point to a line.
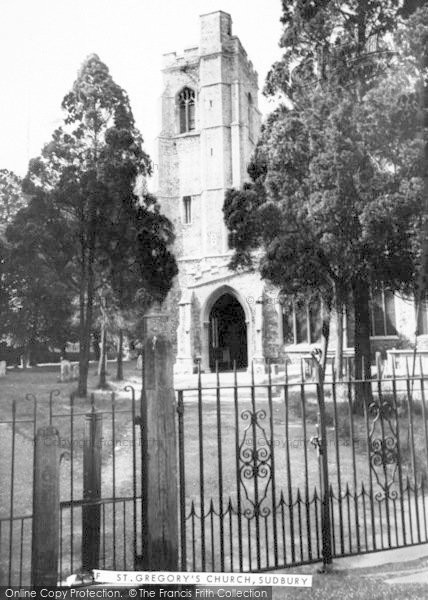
<point>186,106</point>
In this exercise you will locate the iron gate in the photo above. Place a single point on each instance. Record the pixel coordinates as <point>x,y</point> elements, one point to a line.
<point>100,482</point>
<point>254,491</point>
<point>252,483</point>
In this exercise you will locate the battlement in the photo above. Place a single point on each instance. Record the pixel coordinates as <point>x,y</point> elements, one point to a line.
<point>171,60</point>
<point>239,49</point>
<point>215,37</point>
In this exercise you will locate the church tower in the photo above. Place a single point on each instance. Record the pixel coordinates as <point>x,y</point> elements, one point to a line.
<point>210,124</point>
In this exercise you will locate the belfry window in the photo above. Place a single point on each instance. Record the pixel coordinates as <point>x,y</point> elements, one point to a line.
<point>186,107</point>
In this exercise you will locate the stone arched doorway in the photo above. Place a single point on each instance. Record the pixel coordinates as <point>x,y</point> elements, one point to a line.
<point>227,334</point>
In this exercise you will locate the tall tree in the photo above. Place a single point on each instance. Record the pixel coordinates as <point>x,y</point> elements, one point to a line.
<point>12,198</point>
<point>39,308</point>
<point>413,42</point>
<point>312,205</point>
<point>344,45</point>
<point>89,170</point>
<point>11,201</point>
<point>320,185</point>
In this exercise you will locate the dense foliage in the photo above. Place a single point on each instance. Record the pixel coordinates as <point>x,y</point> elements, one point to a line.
<point>336,200</point>
<point>93,235</point>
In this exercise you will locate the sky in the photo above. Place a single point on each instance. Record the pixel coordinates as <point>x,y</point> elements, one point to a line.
<point>44,42</point>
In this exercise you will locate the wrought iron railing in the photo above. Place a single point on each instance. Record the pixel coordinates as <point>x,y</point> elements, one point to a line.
<point>260,489</point>
<point>273,472</point>
<point>110,511</point>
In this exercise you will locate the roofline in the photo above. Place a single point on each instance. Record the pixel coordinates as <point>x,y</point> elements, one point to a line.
<point>213,12</point>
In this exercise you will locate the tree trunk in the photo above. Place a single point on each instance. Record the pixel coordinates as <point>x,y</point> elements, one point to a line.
<point>87,303</point>
<point>325,332</point>
<point>96,345</point>
<point>102,383</point>
<point>84,360</point>
<point>119,372</point>
<point>339,339</point>
<point>101,353</point>
<point>84,335</point>
<point>85,340</point>
<point>422,287</point>
<point>362,350</point>
<point>83,367</point>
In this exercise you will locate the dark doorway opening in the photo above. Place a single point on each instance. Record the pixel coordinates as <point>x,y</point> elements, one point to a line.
<point>228,334</point>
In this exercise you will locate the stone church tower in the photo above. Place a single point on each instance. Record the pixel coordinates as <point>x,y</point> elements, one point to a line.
<point>210,124</point>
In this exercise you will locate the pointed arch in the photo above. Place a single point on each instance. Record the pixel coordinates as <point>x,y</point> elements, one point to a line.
<point>186,100</point>
<point>216,294</point>
<point>227,321</point>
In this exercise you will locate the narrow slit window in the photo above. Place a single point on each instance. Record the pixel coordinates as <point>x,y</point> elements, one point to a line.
<point>187,209</point>
<point>250,116</point>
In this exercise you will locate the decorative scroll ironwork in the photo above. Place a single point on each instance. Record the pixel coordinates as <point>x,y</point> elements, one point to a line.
<point>383,447</point>
<point>255,457</point>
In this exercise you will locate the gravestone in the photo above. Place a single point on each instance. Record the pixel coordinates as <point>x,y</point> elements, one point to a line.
<point>75,371</point>
<point>65,372</point>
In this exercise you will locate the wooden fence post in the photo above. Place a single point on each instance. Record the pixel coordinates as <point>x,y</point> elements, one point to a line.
<point>45,537</point>
<point>91,514</point>
<point>160,537</point>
